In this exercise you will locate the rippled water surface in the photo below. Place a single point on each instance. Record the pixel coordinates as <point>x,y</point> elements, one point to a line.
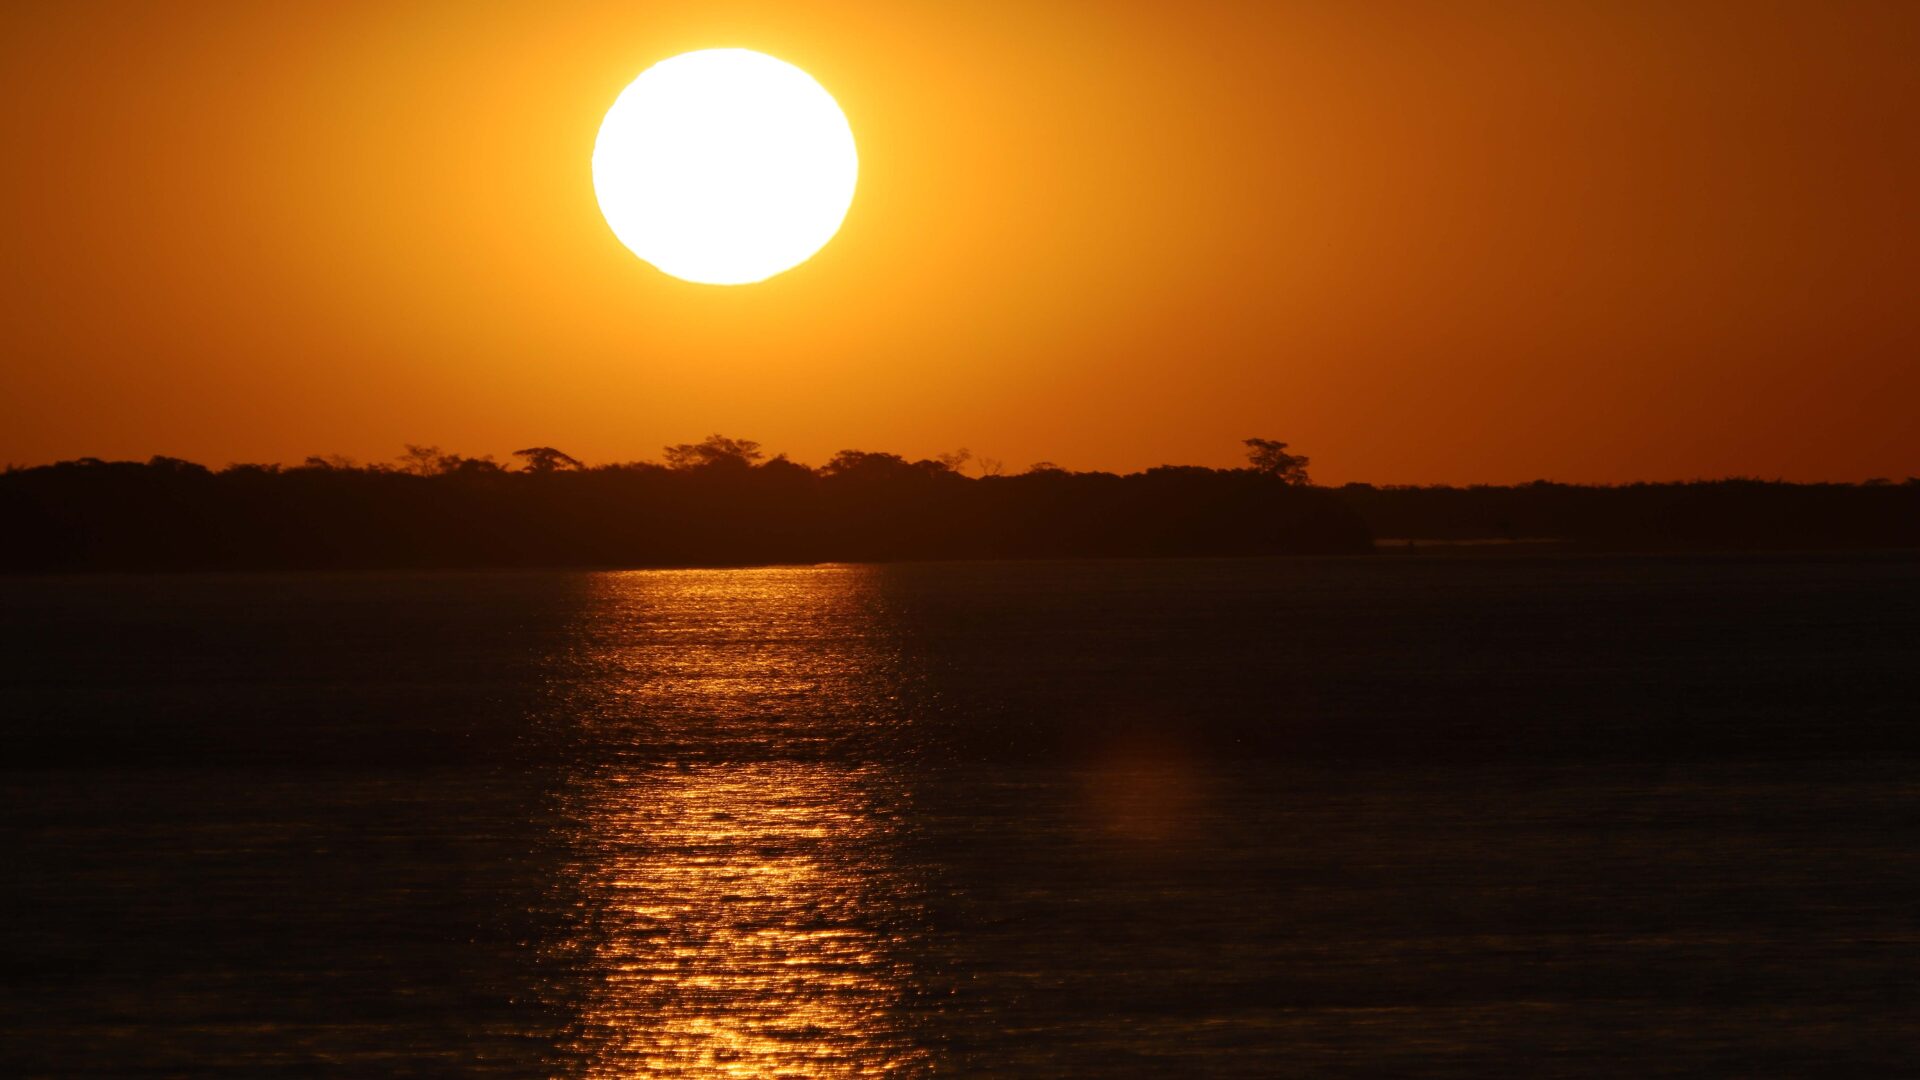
<point>1450,816</point>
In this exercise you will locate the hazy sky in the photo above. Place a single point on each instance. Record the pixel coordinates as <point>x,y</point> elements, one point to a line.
<point>1423,242</point>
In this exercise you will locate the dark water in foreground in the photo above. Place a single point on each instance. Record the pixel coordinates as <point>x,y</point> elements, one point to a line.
<point>1446,816</point>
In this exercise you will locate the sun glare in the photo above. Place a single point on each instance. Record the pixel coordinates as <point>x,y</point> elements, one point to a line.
<point>724,166</point>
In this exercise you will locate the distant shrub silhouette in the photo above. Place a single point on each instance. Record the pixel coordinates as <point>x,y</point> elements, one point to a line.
<point>716,450</point>
<point>1270,458</point>
<point>545,459</point>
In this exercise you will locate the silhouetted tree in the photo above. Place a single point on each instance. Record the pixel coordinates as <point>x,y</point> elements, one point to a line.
<point>483,465</point>
<point>171,465</point>
<point>329,461</point>
<point>865,463</point>
<point>714,450</point>
<point>1270,458</point>
<point>423,461</point>
<point>545,459</point>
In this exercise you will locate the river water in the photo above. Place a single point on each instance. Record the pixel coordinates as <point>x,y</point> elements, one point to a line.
<point>1456,815</point>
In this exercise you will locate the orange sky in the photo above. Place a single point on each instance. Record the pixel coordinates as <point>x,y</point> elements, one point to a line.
<point>1423,242</point>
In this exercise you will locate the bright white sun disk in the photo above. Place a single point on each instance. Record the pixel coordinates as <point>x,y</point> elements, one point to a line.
<point>724,166</point>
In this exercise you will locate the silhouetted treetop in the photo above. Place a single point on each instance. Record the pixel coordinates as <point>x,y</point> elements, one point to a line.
<point>1270,458</point>
<point>422,460</point>
<point>714,450</point>
<point>866,465</point>
<point>545,459</point>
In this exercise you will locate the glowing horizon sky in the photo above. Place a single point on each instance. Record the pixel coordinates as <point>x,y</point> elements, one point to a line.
<point>1422,244</point>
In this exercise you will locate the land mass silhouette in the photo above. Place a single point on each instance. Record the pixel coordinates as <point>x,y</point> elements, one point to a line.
<point>723,502</point>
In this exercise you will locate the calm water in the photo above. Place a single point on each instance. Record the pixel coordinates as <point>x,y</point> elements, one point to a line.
<point>1461,815</point>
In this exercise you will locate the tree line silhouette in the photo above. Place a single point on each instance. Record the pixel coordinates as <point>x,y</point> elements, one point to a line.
<point>1734,514</point>
<point>723,501</point>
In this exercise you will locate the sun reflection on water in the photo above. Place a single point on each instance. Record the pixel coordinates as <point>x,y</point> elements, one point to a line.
<point>737,884</point>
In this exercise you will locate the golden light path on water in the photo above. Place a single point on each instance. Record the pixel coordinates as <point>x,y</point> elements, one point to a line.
<point>740,905</point>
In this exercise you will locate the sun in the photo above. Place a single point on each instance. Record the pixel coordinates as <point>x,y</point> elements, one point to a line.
<point>724,166</point>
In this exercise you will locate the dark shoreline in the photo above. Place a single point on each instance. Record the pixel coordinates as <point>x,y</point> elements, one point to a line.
<point>1384,551</point>
<point>171,515</point>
